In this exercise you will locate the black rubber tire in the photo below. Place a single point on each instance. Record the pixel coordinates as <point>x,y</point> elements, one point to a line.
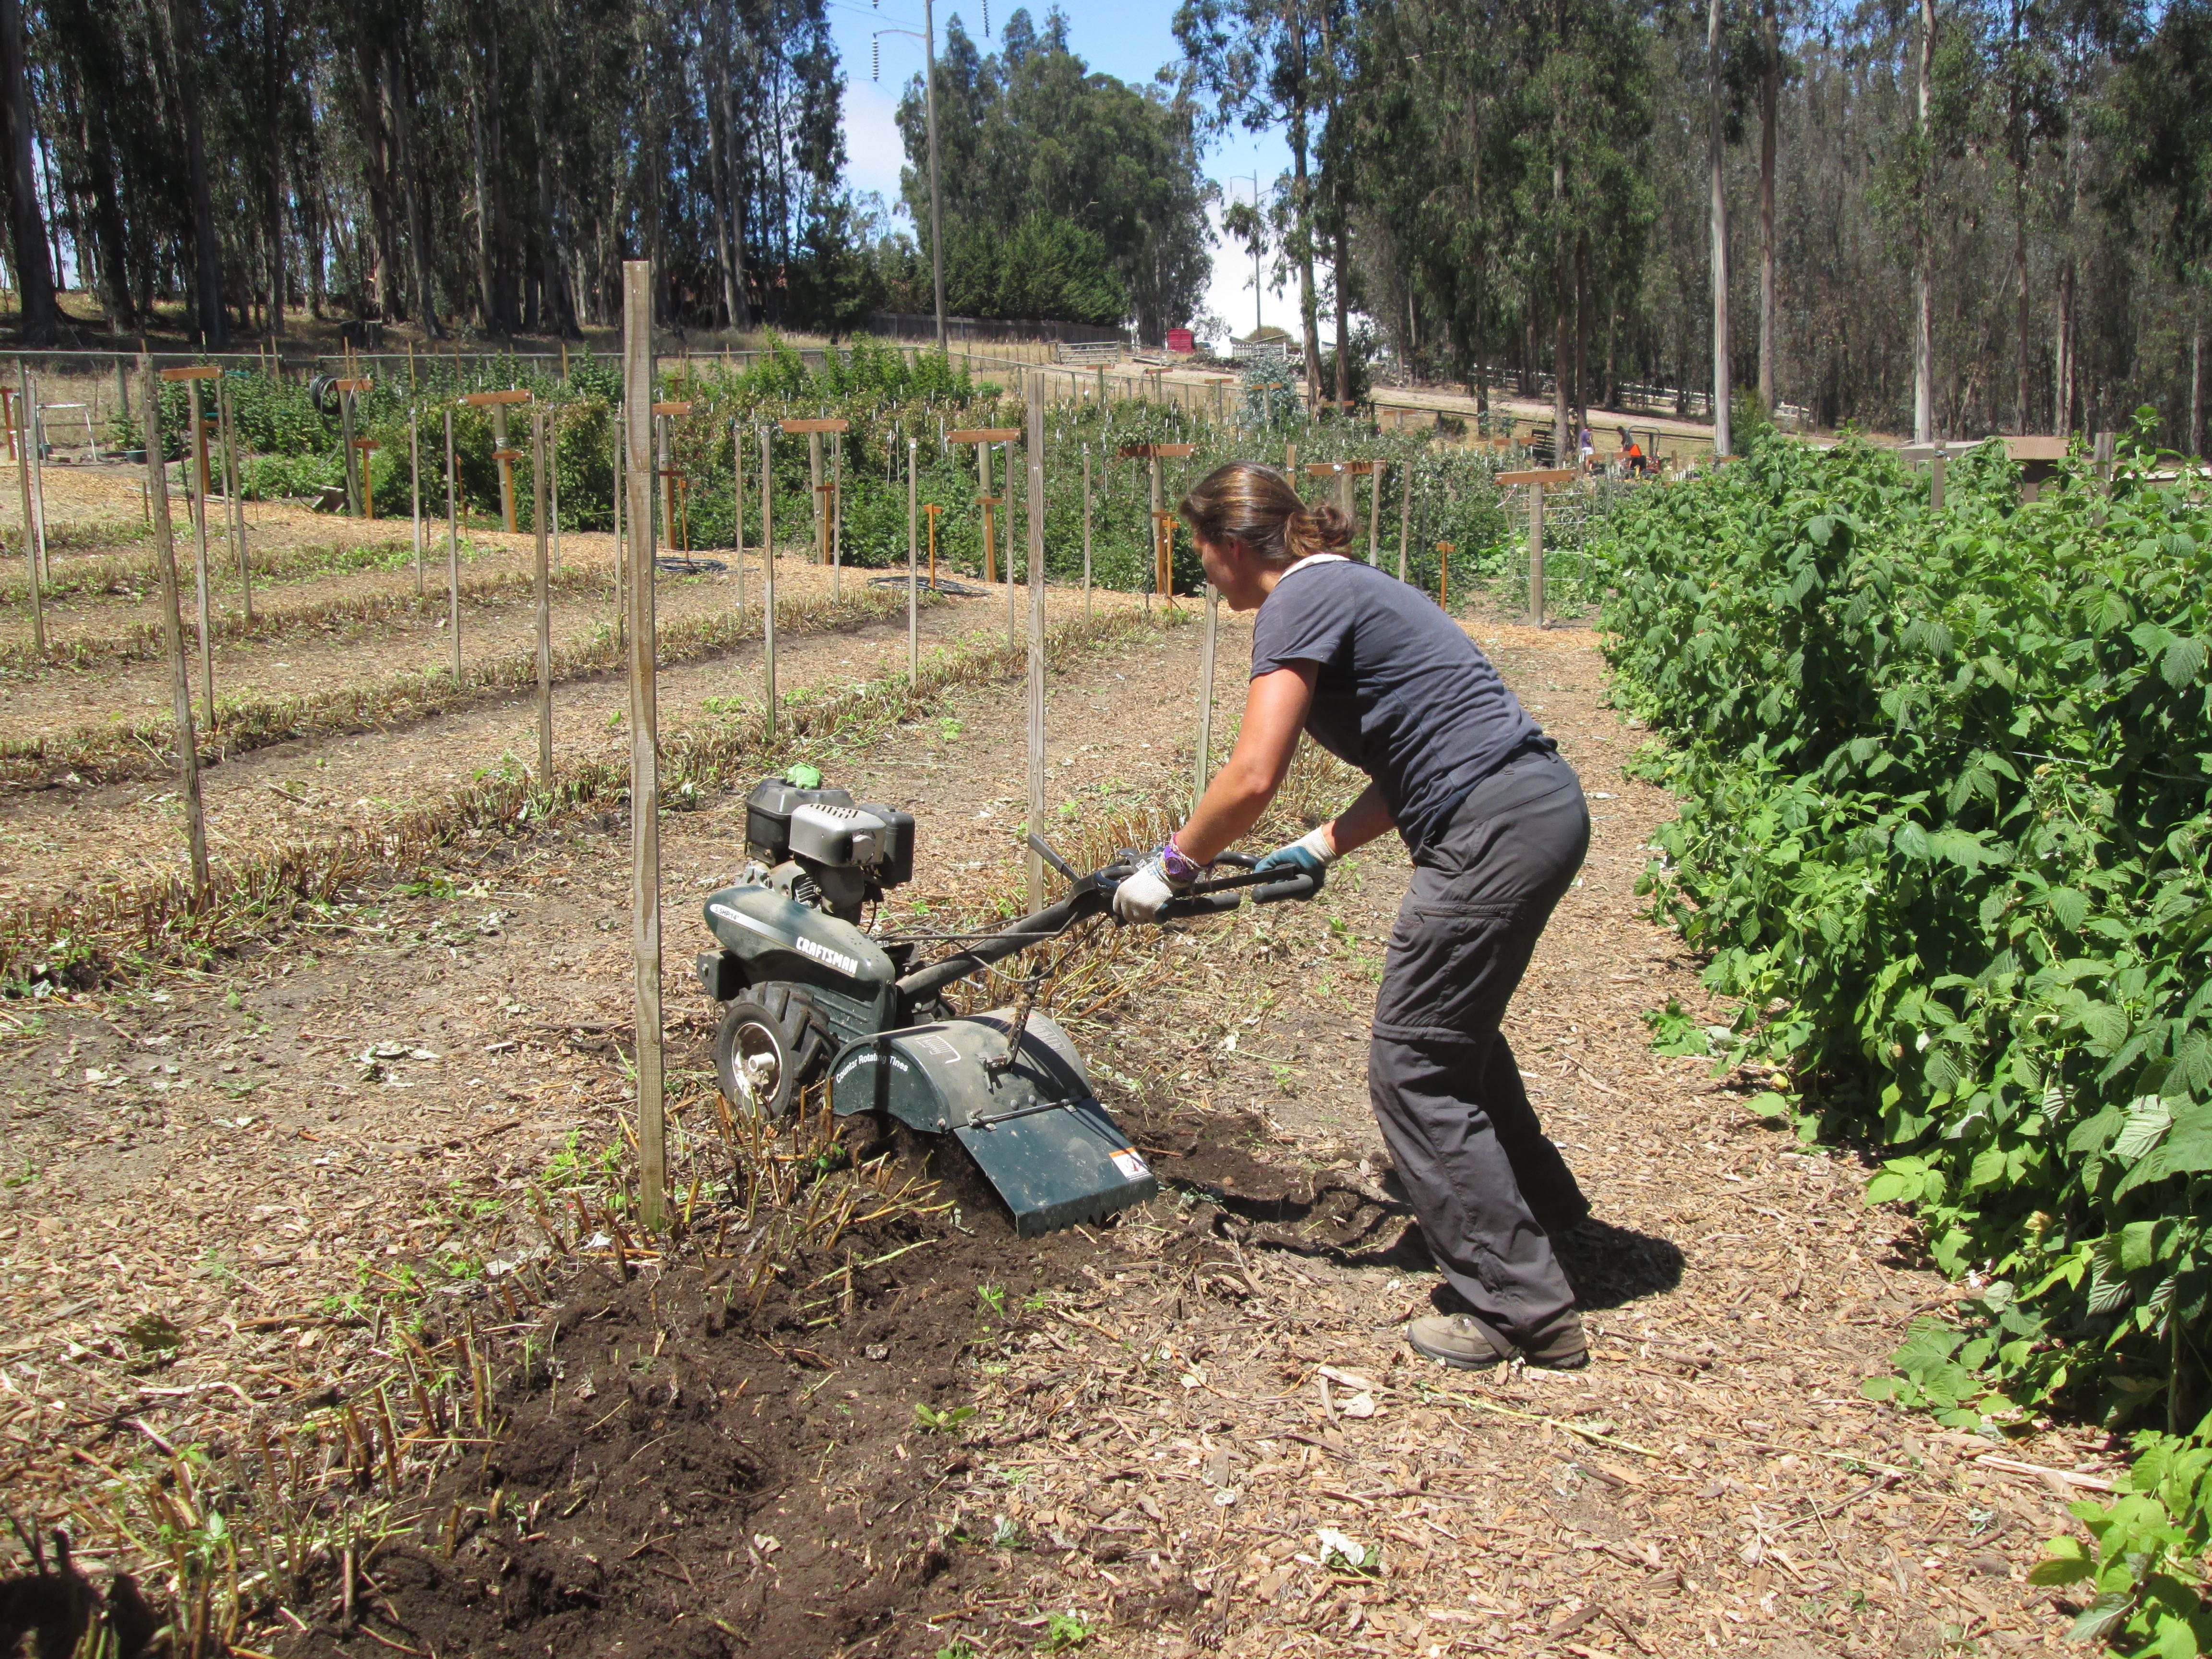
<point>785,1044</point>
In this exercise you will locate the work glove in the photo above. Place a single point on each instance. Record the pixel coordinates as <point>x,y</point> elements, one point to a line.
<point>1158,880</point>
<point>1310,856</point>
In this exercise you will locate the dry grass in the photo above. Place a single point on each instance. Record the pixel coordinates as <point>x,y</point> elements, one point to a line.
<point>259,896</point>
<point>141,748</point>
<point>142,641</point>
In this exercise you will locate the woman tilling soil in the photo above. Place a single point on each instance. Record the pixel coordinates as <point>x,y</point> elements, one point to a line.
<point>1496,826</point>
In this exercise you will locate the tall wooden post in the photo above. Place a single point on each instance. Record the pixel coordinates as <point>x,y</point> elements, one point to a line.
<point>505,467</point>
<point>644,731</point>
<point>1036,629</point>
<point>196,483</point>
<point>1206,696</point>
<point>1375,513</point>
<point>1009,470</point>
<point>345,438</point>
<point>814,482</point>
<point>1536,555</point>
<point>541,573</point>
<point>30,536</point>
<point>738,494</point>
<point>1404,514</point>
<point>415,489</point>
<point>836,513</point>
<point>768,567</point>
<point>1086,532</point>
<point>1537,478</point>
<point>33,435</point>
<point>553,471</point>
<point>173,630</point>
<point>621,582</point>
<point>233,501</point>
<point>452,549</point>
<point>983,495</point>
<point>1163,570</point>
<point>912,574</point>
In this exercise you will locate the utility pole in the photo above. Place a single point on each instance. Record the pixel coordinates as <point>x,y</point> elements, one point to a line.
<point>928,38</point>
<point>1715,156</point>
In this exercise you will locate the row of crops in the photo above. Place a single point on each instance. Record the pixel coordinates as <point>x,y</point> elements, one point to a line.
<point>1438,494</point>
<point>1946,837</point>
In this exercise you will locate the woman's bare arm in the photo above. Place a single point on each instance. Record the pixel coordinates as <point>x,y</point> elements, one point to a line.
<point>1274,715</point>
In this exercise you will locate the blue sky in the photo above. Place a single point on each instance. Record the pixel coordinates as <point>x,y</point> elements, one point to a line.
<point>1130,39</point>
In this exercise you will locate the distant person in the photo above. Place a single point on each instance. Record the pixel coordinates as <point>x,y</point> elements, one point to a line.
<point>1590,450</point>
<point>1637,465</point>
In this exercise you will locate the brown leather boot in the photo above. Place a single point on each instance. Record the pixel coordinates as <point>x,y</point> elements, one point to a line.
<point>1467,1343</point>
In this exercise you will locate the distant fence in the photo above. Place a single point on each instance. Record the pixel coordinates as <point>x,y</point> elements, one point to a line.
<point>922,326</point>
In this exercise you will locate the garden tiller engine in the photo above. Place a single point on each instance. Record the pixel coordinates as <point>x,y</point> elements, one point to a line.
<point>807,991</point>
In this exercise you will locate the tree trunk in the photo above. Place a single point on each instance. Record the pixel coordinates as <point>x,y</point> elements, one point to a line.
<point>1343,276</point>
<point>1924,274</point>
<point>549,252</point>
<point>2197,380</point>
<point>1582,339</point>
<point>1770,100</point>
<point>1301,216</point>
<point>399,78</point>
<point>375,96</point>
<point>1715,158</point>
<point>34,277</point>
<point>719,166</point>
<point>487,295</point>
<point>207,252</point>
<point>274,73</point>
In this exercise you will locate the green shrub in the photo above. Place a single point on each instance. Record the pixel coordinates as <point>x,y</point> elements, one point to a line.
<point>1946,786</point>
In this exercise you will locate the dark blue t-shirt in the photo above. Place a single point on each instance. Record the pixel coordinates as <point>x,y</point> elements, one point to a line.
<point>1401,691</point>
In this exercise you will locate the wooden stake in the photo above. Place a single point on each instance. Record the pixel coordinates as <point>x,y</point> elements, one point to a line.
<point>622,545</point>
<point>644,724</point>
<point>1163,567</point>
<point>173,630</point>
<point>983,485</point>
<point>1205,774</point>
<point>1375,514</point>
<point>1009,470</point>
<point>836,513</point>
<point>415,476</point>
<point>506,468</point>
<point>1037,628</point>
<point>453,548</point>
<point>30,538</point>
<point>1086,532</point>
<point>34,431</point>
<point>768,567</point>
<point>738,492</point>
<point>345,436</point>
<point>1535,555</point>
<point>234,504</point>
<point>541,572</point>
<point>1404,515</point>
<point>814,481</point>
<point>913,591</point>
<point>553,477</point>
<point>931,511</point>
<point>198,435</point>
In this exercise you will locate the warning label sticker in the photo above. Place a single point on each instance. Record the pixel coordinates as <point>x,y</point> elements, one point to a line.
<point>1131,1165</point>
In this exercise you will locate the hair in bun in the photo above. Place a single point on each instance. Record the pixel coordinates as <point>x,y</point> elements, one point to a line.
<point>1255,505</point>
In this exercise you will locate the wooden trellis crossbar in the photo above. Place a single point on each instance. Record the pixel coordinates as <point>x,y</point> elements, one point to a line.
<point>799,429</point>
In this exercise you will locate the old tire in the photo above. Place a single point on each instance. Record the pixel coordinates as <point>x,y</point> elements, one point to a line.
<point>770,1044</point>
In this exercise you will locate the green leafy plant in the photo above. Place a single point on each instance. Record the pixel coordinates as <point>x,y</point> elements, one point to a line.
<point>931,1420</point>
<point>1063,1632</point>
<point>2145,1558</point>
<point>1946,839</point>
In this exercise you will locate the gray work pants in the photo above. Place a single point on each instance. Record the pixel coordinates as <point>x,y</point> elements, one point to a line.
<point>1487,1185</point>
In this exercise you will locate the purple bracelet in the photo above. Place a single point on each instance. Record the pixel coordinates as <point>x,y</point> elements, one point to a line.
<point>1179,868</point>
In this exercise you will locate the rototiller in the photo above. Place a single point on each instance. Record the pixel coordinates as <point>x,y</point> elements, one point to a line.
<point>805,990</point>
